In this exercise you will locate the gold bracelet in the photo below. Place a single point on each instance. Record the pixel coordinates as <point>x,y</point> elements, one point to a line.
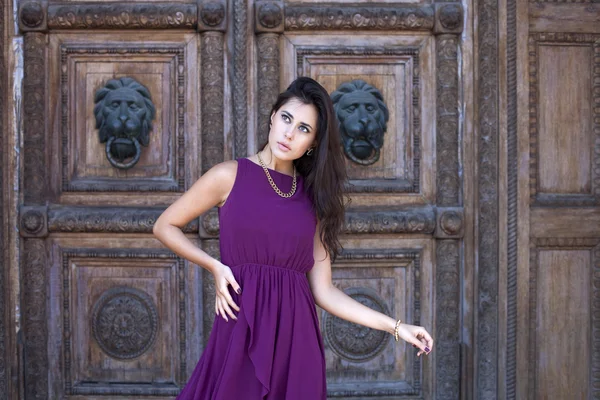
<point>396,335</point>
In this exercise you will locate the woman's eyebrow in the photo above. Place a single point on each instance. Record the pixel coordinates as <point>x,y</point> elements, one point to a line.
<point>292,117</point>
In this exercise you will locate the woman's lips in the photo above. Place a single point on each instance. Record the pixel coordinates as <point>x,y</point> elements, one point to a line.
<point>283,147</point>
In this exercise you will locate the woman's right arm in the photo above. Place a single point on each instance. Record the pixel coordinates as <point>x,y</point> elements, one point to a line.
<point>210,190</point>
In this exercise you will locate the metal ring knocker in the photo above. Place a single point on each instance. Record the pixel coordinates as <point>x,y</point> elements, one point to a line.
<point>127,141</point>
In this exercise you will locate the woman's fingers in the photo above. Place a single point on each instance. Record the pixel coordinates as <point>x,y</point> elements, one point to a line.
<point>236,287</point>
<point>220,312</point>
<point>228,310</point>
<point>228,299</point>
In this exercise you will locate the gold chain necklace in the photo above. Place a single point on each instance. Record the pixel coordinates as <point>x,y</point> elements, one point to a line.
<point>273,185</point>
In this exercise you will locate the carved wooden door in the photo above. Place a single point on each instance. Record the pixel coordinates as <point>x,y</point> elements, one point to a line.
<point>126,104</point>
<point>554,276</point>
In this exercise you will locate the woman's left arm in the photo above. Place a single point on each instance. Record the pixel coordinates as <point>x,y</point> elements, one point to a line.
<point>338,303</point>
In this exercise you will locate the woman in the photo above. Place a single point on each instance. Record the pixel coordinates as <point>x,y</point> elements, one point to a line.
<point>280,213</point>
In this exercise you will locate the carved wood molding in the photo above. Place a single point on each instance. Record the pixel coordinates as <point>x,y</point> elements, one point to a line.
<point>487,191</point>
<point>76,388</point>
<point>573,200</point>
<point>123,16</point>
<point>447,138</point>
<point>6,329</point>
<point>447,316</point>
<point>33,259</point>
<point>268,82</point>
<point>213,139</point>
<point>35,318</point>
<point>34,118</point>
<point>105,219</point>
<point>177,182</point>
<point>240,77</point>
<point>417,220</point>
<point>593,245</point>
<point>299,17</point>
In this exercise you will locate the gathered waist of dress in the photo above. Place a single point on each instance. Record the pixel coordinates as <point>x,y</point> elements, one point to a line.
<point>268,266</point>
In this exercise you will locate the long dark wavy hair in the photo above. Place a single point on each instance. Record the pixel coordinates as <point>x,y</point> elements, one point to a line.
<point>324,170</point>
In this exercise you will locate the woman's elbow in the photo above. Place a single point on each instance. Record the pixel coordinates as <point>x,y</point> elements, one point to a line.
<point>158,228</point>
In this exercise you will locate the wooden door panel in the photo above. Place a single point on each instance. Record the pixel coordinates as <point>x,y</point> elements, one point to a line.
<point>389,277</point>
<point>562,69</point>
<point>399,67</point>
<point>166,67</point>
<point>563,286</point>
<point>125,317</point>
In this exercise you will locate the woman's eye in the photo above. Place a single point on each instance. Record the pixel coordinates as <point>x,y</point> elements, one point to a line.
<point>304,129</point>
<point>285,118</point>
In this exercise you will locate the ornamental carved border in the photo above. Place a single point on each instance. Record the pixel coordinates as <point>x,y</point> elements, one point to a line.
<point>448,187</point>
<point>239,96</point>
<point>385,17</point>
<point>384,185</point>
<point>4,262</point>
<point>593,40</point>
<point>447,316</point>
<point>33,257</point>
<point>34,118</point>
<point>142,185</point>
<point>35,318</point>
<point>414,220</point>
<point>75,219</point>
<point>268,81</point>
<point>66,256</point>
<point>414,387</point>
<point>123,16</point>
<point>593,245</point>
<point>487,191</point>
<point>212,80</point>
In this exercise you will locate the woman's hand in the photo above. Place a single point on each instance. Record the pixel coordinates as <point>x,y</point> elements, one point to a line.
<point>224,303</point>
<point>417,336</point>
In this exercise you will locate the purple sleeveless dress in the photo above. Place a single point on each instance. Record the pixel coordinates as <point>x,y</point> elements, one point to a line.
<point>274,350</point>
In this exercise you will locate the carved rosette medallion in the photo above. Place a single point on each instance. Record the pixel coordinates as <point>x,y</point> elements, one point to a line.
<point>355,342</point>
<point>32,222</point>
<point>270,15</point>
<point>451,222</point>
<point>451,16</point>
<point>210,224</point>
<point>32,14</point>
<point>124,322</point>
<point>212,14</point>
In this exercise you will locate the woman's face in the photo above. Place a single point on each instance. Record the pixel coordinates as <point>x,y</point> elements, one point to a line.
<point>293,130</point>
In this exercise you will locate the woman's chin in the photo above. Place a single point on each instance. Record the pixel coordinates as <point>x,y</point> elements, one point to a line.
<point>283,155</point>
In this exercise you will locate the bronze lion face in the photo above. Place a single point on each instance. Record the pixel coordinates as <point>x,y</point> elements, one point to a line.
<point>124,112</point>
<point>363,117</point>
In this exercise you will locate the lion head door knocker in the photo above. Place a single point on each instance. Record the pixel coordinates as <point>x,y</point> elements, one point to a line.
<point>124,112</point>
<point>363,118</point>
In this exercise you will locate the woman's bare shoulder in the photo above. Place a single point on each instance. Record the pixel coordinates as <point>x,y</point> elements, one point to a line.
<point>225,170</point>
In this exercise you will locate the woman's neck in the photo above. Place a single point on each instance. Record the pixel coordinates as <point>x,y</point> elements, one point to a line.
<point>272,162</point>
